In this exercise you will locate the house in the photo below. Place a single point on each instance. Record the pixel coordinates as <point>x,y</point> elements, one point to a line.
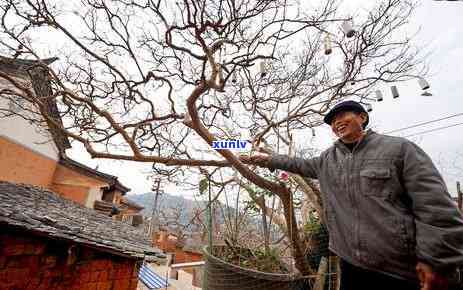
<point>131,213</point>
<point>182,250</point>
<point>33,155</point>
<point>48,242</point>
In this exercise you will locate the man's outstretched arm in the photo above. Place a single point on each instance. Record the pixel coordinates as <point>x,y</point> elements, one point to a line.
<point>305,167</point>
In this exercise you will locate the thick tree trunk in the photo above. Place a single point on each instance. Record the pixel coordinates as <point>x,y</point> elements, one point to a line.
<point>293,234</point>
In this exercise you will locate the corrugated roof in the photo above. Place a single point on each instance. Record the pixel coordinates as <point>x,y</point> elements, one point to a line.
<point>151,279</point>
<point>41,211</point>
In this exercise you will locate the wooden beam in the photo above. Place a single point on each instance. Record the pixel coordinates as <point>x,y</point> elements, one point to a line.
<point>320,279</point>
<point>188,265</point>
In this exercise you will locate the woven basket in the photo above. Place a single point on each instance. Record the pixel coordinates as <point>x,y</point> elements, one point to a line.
<point>221,275</point>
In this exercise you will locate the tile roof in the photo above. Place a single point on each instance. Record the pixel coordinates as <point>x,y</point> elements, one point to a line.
<point>131,203</point>
<point>110,179</point>
<point>106,208</point>
<point>46,213</point>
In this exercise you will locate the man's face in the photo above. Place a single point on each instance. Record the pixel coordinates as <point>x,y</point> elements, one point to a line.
<point>347,125</point>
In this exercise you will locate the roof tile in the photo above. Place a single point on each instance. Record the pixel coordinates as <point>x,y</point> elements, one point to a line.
<point>42,211</point>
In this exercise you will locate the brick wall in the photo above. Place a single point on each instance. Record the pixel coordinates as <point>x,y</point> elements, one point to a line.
<point>33,262</point>
<point>182,256</point>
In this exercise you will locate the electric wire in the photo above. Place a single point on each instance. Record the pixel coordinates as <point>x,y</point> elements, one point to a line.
<point>424,123</point>
<point>433,130</point>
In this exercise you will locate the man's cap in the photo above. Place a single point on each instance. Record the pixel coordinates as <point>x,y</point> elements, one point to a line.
<point>346,106</point>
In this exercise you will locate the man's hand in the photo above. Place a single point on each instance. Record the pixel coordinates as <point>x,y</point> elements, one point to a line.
<point>429,279</point>
<point>259,159</point>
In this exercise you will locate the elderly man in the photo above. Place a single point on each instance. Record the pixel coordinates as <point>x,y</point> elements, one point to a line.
<point>388,212</point>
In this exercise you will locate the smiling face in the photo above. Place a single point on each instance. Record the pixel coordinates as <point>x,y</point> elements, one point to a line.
<point>348,126</point>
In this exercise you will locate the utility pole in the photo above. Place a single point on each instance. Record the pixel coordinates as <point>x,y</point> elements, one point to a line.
<point>460,197</point>
<point>154,217</point>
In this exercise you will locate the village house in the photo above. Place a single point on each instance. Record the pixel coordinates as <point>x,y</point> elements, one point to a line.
<point>48,242</point>
<point>37,156</point>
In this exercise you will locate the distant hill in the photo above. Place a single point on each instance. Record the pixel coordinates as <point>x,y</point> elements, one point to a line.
<point>167,201</point>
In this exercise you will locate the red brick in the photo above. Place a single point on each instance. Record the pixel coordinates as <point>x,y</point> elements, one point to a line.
<point>29,262</point>
<point>3,261</point>
<point>68,274</point>
<point>111,274</point>
<point>104,285</point>
<point>29,249</point>
<point>104,276</point>
<point>133,284</point>
<point>94,276</point>
<point>76,286</point>
<point>33,283</point>
<point>14,275</point>
<point>122,284</point>
<point>99,265</point>
<point>6,285</point>
<point>60,287</point>
<point>85,277</point>
<point>128,272</point>
<point>13,249</point>
<point>81,269</point>
<point>32,263</point>
<point>34,248</point>
<point>118,274</point>
<point>49,261</point>
<point>51,273</point>
<point>92,286</point>
<point>15,262</point>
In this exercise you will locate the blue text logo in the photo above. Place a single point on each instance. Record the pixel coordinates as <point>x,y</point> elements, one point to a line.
<point>230,144</point>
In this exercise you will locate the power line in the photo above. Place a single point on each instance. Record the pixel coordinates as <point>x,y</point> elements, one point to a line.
<point>435,129</point>
<point>424,123</point>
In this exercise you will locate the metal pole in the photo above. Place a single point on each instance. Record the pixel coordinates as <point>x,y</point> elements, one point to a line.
<point>155,205</point>
<point>209,219</point>
<point>460,196</point>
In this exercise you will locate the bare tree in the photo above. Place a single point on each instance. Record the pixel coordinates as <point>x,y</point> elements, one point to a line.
<point>159,81</point>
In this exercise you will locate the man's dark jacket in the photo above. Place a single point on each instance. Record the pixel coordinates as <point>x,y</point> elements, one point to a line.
<point>386,205</point>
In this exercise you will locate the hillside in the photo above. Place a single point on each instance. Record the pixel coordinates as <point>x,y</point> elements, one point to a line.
<point>165,202</point>
<point>168,201</point>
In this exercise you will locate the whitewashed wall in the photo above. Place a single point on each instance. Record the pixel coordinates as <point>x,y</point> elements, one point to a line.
<point>20,131</point>
<point>95,193</point>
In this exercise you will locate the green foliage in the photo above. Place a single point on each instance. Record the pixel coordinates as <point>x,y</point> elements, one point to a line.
<point>316,239</point>
<point>256,259</point>
<point>312,226</point>
<point>203,186</point>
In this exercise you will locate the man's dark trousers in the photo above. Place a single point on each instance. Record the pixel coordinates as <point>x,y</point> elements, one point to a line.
<point>355,278</point>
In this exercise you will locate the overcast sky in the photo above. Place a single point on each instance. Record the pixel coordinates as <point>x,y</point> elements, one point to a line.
<point>441,31</point>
